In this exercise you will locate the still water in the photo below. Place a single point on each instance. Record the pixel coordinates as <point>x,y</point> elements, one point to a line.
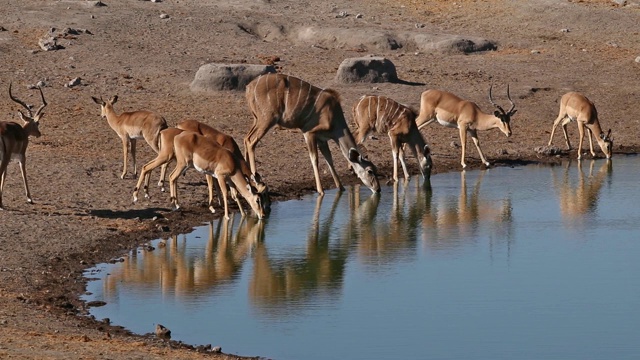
<point>532,262</point>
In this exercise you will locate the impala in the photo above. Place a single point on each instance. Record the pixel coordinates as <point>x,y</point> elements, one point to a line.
<point>451,111</point>
<point>576,107</point>
<point>381,114</point>
<point>227,142</point>
<point>276,99</point>
<point>14,139</point>
<point>194,150</point>
<point>131,126</point>
<point>167,154</point>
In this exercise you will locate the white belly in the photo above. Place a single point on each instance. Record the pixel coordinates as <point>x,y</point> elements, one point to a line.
<point>447,124</point>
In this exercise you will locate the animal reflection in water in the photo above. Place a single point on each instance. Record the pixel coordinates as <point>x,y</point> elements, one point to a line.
<point>580,198</point>
<point>185,272</point>
<point>277,287</point>
<point>451,222</point>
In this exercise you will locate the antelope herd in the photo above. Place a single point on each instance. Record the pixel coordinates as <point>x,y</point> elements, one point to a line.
<point>292,103</point>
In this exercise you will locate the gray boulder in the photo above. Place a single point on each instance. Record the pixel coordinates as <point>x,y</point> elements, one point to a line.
<point>216,77</point>
<point>367,70</point>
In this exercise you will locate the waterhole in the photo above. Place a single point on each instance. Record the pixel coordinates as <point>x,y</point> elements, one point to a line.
<point>531,262</point>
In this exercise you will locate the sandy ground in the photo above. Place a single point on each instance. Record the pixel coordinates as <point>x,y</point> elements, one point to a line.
<point>83,212</point>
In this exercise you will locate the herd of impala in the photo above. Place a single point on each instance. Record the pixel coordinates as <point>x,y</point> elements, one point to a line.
<point>287,101</point>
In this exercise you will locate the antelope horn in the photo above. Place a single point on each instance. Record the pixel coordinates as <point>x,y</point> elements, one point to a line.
<point>44,103</point>
<point>513,105</point>
<point>20,102</point>
<point>492,102</point>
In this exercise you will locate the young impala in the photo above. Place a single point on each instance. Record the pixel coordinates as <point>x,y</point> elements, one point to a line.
<point>14,139</point>
<point>576,107</point>
<point>167,154</point>
<point>381,114</point>
<point>194,150</point>
<point>131,126</point>
<point>277,99</point>
<point>451,111</point>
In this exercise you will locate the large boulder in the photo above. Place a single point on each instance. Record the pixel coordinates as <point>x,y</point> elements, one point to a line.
<point>216,77</point>
<point>367,70</point>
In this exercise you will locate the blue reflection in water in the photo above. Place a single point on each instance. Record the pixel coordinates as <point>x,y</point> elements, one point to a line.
<point>509,263</point>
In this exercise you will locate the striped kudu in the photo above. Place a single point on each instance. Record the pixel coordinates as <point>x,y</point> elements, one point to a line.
<point>295,104</point>
<point>381,114</point>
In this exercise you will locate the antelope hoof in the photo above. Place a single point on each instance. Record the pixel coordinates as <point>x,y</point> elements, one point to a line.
<point>135,199</point>
<point>29,201</point>
<point>487,164</point>
<point>212,209</point>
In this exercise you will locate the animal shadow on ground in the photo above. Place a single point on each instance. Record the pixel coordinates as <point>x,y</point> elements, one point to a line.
<point>149,213</point>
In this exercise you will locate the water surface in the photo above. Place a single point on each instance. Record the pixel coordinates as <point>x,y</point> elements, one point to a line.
<point>531,262</point>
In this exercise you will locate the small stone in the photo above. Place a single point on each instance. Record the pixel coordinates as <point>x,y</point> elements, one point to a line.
<point>564,30</point>
<point>638,60</point>
<point>216,350</point>
<point>359,16</point>
<point>535,51</point>
<point>164,16</point>
<point>73,82</point>
<point>162,332</point>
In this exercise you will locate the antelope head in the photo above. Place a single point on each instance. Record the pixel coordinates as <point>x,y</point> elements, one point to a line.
<point>255,201</point>
<point>365,170</point>
<point>105,105</point>
<point>426,163</point>
<point>31,120</point>
<point>607,143</point>
<point>504,116</point>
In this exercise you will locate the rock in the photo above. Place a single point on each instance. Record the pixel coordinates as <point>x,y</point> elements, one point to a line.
<point>216,350</point>
<point>216,77</point>
<point>74,82</point>
<point>366,70</point>
<point>638,59</point>
<point>49,43</point>
<point>162,332</point>
<point>164,16</point>
<point>96,303</point>
<point>548,150</point>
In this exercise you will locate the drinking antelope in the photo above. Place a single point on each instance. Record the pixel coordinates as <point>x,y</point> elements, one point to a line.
<point>576,107</point>
<point>381,114</point>
<point>451,111</point>
<point>167,154</point>
<point>194,150</point>
<point>14,139</point>
<point>131,126</point>
<point>295,104</point>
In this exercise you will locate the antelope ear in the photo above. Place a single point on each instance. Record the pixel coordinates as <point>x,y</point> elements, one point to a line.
<point>114,99</point>
<point>354,155</point>
<point>97,101</point>
<point>513,112</point>
<point>426,151</point>
<point>256,177</point>
<point>609,133</point>
<point>497,113</point>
